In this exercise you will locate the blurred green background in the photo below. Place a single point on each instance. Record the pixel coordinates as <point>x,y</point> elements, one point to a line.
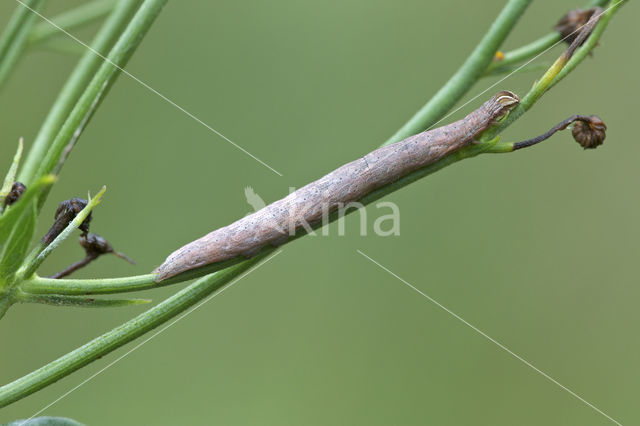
<point>538,249</point>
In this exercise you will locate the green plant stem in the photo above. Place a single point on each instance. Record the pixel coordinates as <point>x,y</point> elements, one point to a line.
<point>554,74</point>
<point>470,71</point>
<point>14,38</point>
<point>525,52</point>
<point>62,45</point>
<point>188,297</point>
<point>583,51</point>
<point>75,85</point>
<point>81,15</point>
<point>534,48</point>
<point>98,88</point>
<point>123,334</point>
<point>516,69</point>
<point>42,285</point>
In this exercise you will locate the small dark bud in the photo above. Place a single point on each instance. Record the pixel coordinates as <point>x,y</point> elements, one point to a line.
<point>569,25</point>
<point>589,132</point>
<point>69,209</point>
<point>17,189</point>
<point>94,246</point>
<point>66,212</point>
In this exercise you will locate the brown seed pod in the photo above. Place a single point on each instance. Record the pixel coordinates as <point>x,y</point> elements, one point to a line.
<point>17,189</point>
<point>589,132</point>
<point>569,25</point>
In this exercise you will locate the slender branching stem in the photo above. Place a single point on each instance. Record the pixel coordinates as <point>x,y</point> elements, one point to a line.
<point>533,49</point>
<point>14,39</point>
<point>525,52</point>
<point>173,306</point>
<point>583,51</point>
<point>470,71</point>
<point>75,85</point>
<point>123,334</point>
<point>81,15</point>
<point>560,68</point>
<point>90,286</point>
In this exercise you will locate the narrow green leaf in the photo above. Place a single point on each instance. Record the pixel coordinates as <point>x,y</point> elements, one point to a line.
<point>16,248</point>
<point>77,301</point>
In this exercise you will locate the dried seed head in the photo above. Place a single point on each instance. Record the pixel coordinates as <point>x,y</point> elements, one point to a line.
<point>569,25</point>
<point>589,132</point>
<point>17,189</point>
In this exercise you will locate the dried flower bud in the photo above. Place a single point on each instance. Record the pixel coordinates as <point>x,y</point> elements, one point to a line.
<point>66,212</point>
<point>569,25</point>
<point>94,246</point>
<point>17,189</point>
<point>589,132</point>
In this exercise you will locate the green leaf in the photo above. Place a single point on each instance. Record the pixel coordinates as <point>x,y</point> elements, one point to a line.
<point>16,249</point>
<point>45,421</point>
<point>77,301</point>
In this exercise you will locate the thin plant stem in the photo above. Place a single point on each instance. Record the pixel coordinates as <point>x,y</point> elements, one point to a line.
<point>97,89</point>
<point>123,334</point>
<point>197,291</point>
<point>583,51</point>
<point>556,72</point>
<point>42,285</point>
<point>525,52</point>
<point>75,85</point>
<point>14,38</point>
<point>470,71</point>
<point>534,48</point>
<point>81,15</point>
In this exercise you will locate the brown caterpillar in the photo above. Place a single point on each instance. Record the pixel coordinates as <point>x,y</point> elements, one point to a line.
<point>275,223</point>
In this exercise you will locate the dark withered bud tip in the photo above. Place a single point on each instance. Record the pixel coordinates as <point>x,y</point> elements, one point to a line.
<point>569,25</point>
<point>17,189</point>
<point>68,210</point>
<point>589,132</point>
<point>95,244</point>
